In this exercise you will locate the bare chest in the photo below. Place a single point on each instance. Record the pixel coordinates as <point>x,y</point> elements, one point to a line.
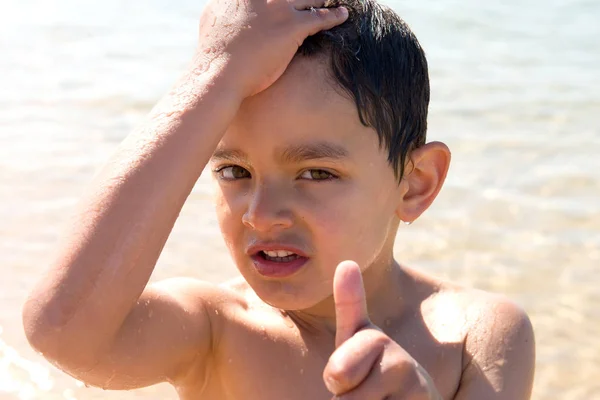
<point>285,364</point>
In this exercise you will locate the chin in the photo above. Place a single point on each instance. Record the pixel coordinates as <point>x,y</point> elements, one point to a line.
<point>288,303</point>
<point>288,295</point>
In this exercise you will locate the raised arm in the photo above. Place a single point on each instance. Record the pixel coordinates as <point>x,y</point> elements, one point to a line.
<point>92,314</point>
<point>92,300</point>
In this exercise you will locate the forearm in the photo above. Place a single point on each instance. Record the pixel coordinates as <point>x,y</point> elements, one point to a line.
<point>122,224</point>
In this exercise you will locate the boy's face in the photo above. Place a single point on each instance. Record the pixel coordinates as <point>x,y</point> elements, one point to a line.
<point>298,172</point>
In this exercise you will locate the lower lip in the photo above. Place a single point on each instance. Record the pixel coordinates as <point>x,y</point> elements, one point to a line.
<point>274,269</point>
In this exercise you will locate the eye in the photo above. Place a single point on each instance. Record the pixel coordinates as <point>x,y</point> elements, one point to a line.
<point>232,172</point>
<point>317,175</point>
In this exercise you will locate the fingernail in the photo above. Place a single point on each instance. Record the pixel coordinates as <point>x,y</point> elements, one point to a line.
<point>331,384</point>
<point>343,11</point>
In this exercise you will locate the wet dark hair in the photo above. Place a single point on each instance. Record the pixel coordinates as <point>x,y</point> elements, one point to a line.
<point>377,60</point>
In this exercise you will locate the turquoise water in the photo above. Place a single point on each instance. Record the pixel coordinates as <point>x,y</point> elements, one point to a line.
<point>515,94</point>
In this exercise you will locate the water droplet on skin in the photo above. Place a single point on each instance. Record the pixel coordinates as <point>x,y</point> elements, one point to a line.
<point>287,320</point>
<point>150,313</point>
<point>301,371</point>
<point>217,312</point>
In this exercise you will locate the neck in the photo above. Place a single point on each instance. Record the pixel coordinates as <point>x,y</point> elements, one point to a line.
<point>383,287</point>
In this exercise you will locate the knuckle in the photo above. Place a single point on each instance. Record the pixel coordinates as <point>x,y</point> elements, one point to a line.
<point>377,338</point>
<point>400,366</point>
<point>318,14</point>
<point>338,371</point>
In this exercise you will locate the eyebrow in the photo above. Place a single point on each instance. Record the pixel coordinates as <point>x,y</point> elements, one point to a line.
<point>229,155</point>
<point>291,154</point>
<point>311,151</point>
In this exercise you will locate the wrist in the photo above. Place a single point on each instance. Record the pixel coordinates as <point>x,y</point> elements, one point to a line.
<point>214,72</point>
<point>202,92</point>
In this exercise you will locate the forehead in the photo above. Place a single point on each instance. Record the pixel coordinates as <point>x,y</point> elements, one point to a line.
<point>301,111</point>
<point>304,100</point>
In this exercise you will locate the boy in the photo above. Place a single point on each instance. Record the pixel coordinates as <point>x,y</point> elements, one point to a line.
<point>318,149</point>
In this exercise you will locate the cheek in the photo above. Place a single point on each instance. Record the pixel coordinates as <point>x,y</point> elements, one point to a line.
<point>350,225</point>
<point>228,214</point>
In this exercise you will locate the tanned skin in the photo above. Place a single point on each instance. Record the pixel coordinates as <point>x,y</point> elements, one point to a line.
<point>294,169</point>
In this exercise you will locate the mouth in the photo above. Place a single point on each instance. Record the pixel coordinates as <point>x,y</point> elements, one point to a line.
<point>281,256</point>
<point>277,263</point>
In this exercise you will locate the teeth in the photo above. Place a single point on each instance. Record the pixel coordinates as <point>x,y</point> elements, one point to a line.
<point>282,259</point>
<point>278,253</point>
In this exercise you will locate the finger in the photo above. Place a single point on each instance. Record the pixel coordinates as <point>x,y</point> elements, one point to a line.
<point>306,4</point>
<point>350,301</point>
<point>372,387</point>
<point>315,20</point>
<point>351,363</point>
<point>390,379</point>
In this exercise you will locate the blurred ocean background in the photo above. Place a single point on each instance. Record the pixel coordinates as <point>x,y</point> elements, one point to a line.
<point>515,94</point>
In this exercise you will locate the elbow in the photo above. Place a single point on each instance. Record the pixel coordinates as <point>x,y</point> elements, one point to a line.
<point>46,329</point>
<point>40,333</point>
<point>51,332</point>
<point>54,342</point>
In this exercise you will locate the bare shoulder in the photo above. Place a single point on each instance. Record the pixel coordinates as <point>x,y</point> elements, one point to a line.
<point>193,292</point>
<point>496,334</point>
<point>193,295</point>
<point>495,319</point>
<point>494,324</point>
<point>227,305</point>
<point>498,342</point>
<point>196,301</point>
<point>476,313</point>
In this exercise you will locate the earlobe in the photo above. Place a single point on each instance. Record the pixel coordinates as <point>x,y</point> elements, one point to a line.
<point>425,176</point>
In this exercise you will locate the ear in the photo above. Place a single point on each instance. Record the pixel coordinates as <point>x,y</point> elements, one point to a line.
<point>425,174</point>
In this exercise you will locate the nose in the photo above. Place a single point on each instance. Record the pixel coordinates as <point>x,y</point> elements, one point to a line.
<point>268,209</point>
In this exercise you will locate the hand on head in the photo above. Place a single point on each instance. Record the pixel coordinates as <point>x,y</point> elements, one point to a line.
<point>252,42</point>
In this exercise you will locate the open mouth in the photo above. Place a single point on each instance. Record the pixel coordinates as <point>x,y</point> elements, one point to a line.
<point>281,256</point>
<point>278,263</point>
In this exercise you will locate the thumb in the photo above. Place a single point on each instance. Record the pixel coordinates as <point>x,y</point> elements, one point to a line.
<point>351,313</point>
